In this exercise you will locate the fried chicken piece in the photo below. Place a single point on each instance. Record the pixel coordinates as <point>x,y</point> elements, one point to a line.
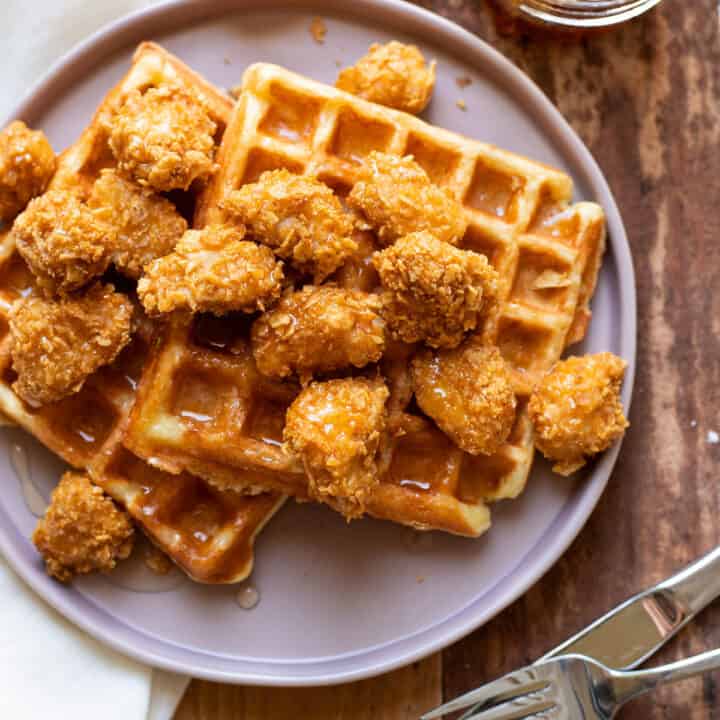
<point>468,392</point>
<point>335,427</point>
<point>576,409</point>
<point>147,226</point>
<point>393,74</point>
<point>318,329</point>
<point>64,242</point>
<point>299,217</point>
<point>212,270</point>
<point>27,163</point>
<point>396,197</point>
<point>83,530</point>
<point>163,138</point>
<point>433,291</point>
<point>57,344</point>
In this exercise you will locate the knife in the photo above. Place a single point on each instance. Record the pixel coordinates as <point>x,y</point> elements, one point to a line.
<point>633,631</point>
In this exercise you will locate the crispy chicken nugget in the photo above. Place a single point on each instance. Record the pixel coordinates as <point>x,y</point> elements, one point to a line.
<point>212,270</point>
<point>318,329</point>
<point>163,138</point>
<point>83,530</point>
<point>57,344</point>
<point>393,74</point>
<point>64,242</point>
<point>576,409</point>
<point>396,197</point>
<point>27,163</point>
<point>468,392</point>
<point>299,217</point>
<point>147,226</point>
<point>335,427</point>
<point>433,291</point>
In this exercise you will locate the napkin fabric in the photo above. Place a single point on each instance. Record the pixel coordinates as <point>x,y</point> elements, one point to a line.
<point>48,667</point>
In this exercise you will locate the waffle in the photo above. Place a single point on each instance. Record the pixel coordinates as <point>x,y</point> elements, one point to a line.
<point>546,251</point>
<point>207,532</point>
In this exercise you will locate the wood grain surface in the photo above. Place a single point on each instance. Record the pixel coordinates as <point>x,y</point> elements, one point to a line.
<point>645,98</point>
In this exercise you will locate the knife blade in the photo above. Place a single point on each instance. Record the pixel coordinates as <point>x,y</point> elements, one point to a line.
<point>633,631</point>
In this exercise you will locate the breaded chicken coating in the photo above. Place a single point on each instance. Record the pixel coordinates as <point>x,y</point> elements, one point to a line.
<point>396,198</point>
<point>318,329</point>
<point>147,226</point>
<point>434,292</point>
<point>57,344</point>
<point>576,409</point>
<point>335,427</point>
<point>212,270</point>
<point>468,392</point>
<point>299,217</point>
<point>393,74</point>
<point>83,531</point>
<point>163,138</point>
<point>27,163</point>
<point>64,242</point>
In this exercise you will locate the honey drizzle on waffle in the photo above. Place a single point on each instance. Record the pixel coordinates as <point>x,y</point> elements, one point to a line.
<point>207,532</point>
<point>547,253</point>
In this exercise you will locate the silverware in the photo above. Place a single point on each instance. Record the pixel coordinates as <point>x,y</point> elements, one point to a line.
<point>571,687</point>
<point>634,630</point>
<point>579,13</point>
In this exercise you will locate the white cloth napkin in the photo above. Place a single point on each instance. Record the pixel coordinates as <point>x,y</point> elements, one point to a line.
<point>48,667</point>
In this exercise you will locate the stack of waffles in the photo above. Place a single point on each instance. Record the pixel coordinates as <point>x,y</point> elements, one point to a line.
<point>185,433</point>
<point>207,532</point>
<point>203,408</point>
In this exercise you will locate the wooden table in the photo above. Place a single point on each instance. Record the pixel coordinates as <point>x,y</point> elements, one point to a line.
<point>646,100</point>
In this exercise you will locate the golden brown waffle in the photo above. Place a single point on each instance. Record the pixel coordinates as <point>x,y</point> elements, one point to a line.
<point>547,253</point>
<point>207,532</point>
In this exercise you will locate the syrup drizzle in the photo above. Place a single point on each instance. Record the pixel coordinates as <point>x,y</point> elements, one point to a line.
<point>417,541</point>
<point>247,597</point>
<point>133,574</point>
<point>20,462</point>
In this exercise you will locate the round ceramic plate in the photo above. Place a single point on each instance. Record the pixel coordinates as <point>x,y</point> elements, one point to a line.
<point>336,601</point>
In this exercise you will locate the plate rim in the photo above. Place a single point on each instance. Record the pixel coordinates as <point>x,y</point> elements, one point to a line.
<point>212,666</point>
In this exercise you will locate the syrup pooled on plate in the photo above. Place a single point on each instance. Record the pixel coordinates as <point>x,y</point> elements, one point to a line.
<point>247,597</point>
<point>20,462</point>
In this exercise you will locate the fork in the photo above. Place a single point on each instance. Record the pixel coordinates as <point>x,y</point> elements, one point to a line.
<point>572,687</point>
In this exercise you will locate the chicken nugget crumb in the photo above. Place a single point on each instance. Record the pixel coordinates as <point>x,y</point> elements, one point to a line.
<point>468,392</point>
<point>57,344</point>
<point>576,409</point>
<point>318,30</point>
<point>434,292</point>
<point>82,531</point>
<point>299,217</point>
<point>393,74</point>
<point>461,104</point>
<point>147,226</point>
<point>212,270</point>
<point>157,561</point>
<point>396,197</point>
<point>336,428</point>
<point>318,329</point>
<point>163,138</point>
<point>64,242</point>
<point>463,81</point>
<point>27,163</point>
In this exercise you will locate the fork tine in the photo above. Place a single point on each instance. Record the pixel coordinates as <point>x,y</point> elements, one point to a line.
<point>511,710</point>
<point>511,686</point>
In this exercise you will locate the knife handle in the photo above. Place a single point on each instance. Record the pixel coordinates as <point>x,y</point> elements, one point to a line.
<point>697,585</point>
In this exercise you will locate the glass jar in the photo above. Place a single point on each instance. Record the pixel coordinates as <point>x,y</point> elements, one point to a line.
<point>579,13</point>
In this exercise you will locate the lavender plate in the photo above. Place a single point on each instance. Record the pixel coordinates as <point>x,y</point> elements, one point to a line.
<point>336,602</point>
